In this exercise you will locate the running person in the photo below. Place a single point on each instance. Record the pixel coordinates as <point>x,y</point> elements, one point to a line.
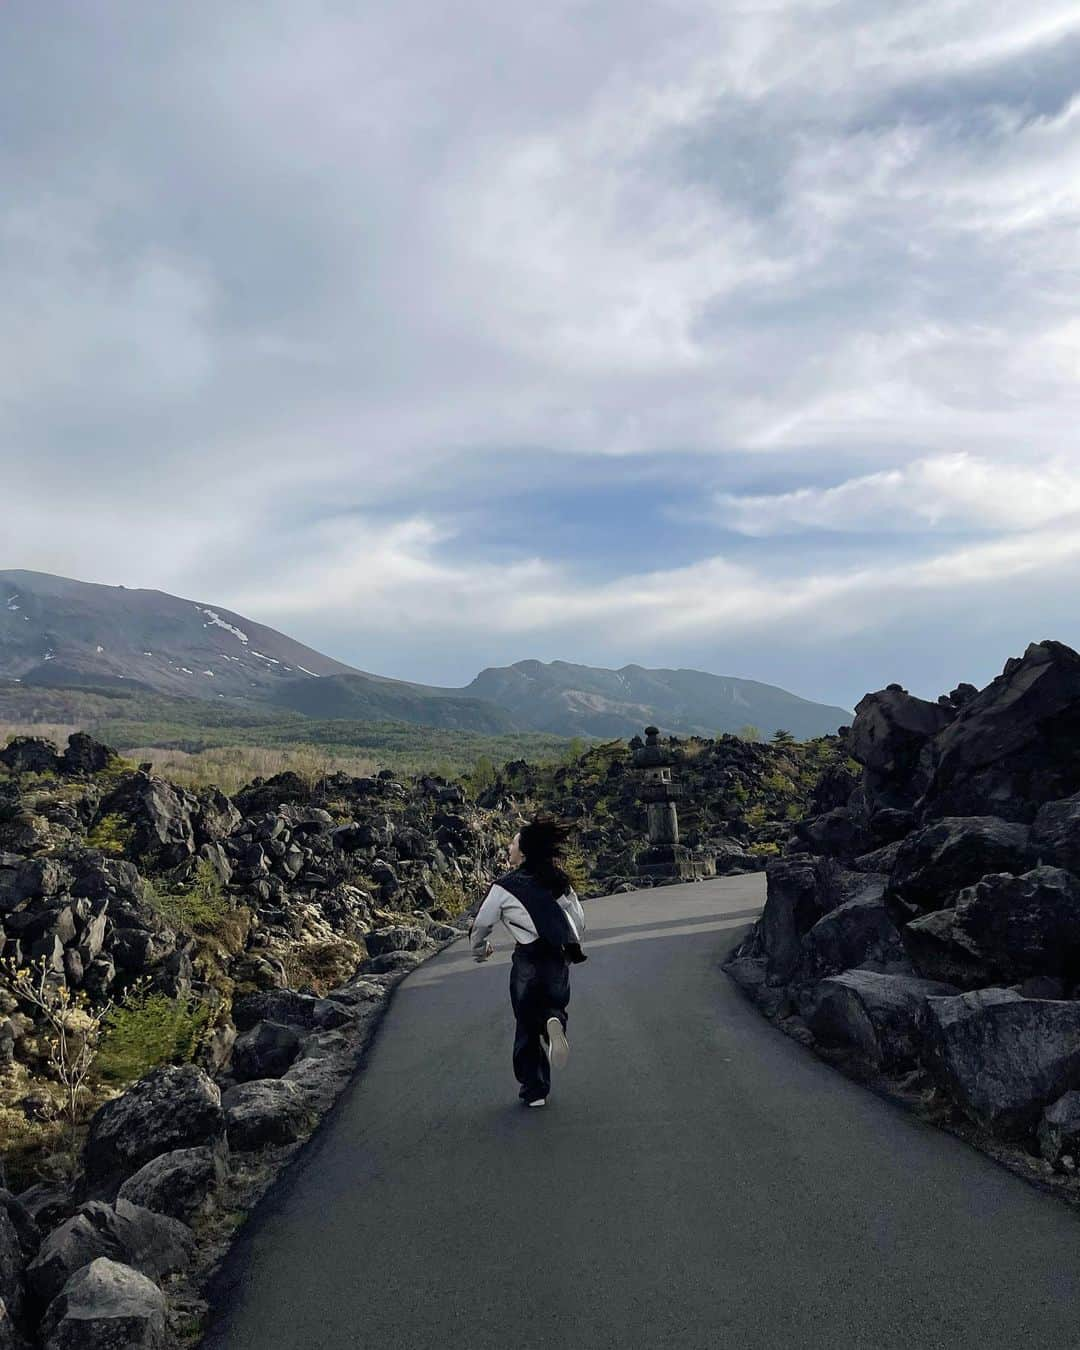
<point>539,907</point>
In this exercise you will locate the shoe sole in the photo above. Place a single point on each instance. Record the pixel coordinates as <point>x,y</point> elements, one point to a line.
<point>558,1047</point>
<point>541,1102</point>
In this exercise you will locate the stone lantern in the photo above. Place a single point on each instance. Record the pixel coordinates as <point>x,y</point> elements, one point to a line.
<point>665,857</point>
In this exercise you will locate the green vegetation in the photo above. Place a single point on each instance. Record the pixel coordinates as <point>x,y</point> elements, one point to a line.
<point>195,743</point>
<point>111,834</point>
<point>451,895</point>
<point>480,776</point>
<point>146,1030</point>
<point>200,908</point>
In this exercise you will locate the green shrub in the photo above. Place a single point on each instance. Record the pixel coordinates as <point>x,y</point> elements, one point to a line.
<point>200,908</point>
<point>480,776</point>
<point>147,1030</point>
<point>111,834</point>
<point>116,765</point>
<point>451,894</point>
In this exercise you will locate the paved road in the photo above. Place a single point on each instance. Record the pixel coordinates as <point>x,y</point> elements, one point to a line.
<point>696,1180</point>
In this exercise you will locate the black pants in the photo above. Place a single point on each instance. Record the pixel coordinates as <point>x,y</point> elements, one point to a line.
<point>539,989</point>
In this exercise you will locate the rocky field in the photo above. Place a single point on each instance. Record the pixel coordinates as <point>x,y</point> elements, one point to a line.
<point>190,978</point>
<point>923,932</point>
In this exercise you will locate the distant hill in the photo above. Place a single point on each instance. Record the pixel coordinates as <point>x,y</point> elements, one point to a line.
<point>60,633</point>
<point>594,701</point>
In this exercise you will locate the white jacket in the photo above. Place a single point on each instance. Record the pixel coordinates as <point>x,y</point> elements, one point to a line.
<point>500,905</point>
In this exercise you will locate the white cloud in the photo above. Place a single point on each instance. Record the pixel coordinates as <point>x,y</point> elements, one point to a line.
<point>955,491</point>
<point>384,576</point>
<point>264,274</point>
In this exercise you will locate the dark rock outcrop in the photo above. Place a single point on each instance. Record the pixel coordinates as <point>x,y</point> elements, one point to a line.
<point>172,1107</point>
<point>152,1243</point>
<point>891,737</point>
<point>106,1306</point>
<point>935,862</point>
<point>1003,1058</point>
<point>264,1111</point>
<point>1059,1130</point>
<point>1015,745</point>
<point>265,1051</point>
<point>1002,930</point>
<point>874,1012</point>
<point>176,1183</point>
<point>854,933</point>
<point>1055,833</point>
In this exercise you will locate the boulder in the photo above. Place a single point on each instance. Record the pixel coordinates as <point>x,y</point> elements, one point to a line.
<point>799,890</point>
<point>855,932</point>
<point>873,1011</point>
<point>1059,1129</point>
<point>287,1006</point>
<point>889,824</point>
<point>891,738</point>
<point>84,755</point>
<point>1015,745</point>
<point>176,1183</point>
<point>106,1306</point>
<point>1055,833</point>
<point>162,816</point>
<point>935,862</point>
<point>47,1203</point>
<point>1002,930</point>
<point>392,963</point>
<point>26,1228</point>
<point>731,858</point>
<point>398,938</point>
<point>12,1265</point>
<point>265,1051</point>
<point>837,833</point>
<point>215,817</point>
<point>172,1107</point>
<point>152,1243</point>
<point>264,1111</point>
<point>1001,1057</point>
<point>30,754</point>
<point>881,859</point>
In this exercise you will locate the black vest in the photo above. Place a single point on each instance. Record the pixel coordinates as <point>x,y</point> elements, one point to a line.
<point>548,916</point>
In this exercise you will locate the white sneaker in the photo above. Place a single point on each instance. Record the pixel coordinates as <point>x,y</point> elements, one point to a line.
<point>540,1101</point>
<point>556,1047</point>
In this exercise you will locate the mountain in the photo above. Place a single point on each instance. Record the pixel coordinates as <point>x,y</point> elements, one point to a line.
<point>590,700</point>
<point>62,633</point>
<point>56,631</point>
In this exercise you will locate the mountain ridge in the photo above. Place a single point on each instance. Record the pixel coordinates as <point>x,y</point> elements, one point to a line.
<point>61,632</point>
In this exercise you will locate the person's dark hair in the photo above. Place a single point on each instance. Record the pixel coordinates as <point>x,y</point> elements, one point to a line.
<point>542,841</point>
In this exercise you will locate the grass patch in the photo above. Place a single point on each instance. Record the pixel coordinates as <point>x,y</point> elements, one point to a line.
<point>200,908</point>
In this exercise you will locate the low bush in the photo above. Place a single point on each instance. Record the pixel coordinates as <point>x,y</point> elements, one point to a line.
<point>200,908</point>
<point>147,1029</point>
<point>111,834</point>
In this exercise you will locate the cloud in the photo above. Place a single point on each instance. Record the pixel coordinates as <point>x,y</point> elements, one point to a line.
<point>297,291</point>
<point>955,491</point>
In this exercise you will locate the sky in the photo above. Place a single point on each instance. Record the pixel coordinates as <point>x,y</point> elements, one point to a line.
<point>742,337</point>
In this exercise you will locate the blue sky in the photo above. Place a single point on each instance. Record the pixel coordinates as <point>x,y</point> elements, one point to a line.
<point>732,336</point>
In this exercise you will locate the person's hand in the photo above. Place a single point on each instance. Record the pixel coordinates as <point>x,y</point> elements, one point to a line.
<point>488,950</point>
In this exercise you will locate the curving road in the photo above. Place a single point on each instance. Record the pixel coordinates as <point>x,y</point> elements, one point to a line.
<point>697,1180</point>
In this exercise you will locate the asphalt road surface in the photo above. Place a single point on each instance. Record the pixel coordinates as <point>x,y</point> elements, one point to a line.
<point>697,1179</point>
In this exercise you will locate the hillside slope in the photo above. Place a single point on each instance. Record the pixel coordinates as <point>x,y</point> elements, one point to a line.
<point>590,700</point>
<point>58,633</point>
